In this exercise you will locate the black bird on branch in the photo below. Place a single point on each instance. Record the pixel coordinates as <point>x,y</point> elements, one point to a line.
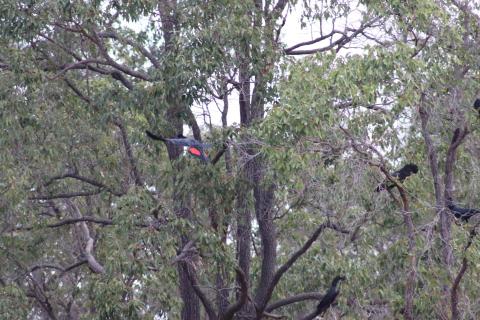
<point>401,175</point>
<point>194,147</point>
<point>463,214</point>
<point>329,297</point>
<point>476,106</point>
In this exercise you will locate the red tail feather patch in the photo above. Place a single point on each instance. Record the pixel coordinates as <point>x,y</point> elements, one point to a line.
<point>194,151</point>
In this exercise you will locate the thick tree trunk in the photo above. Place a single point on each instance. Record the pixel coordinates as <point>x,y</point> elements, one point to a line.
<point>191,302</point>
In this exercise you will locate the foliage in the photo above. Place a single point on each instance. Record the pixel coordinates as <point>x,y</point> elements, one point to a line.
<point>80,82</point>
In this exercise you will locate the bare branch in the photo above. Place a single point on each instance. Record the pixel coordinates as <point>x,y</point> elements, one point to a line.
<point>83,179</point>
<point>128,149</point>
<point>74,266</point>
<point>294,299</point>
<point>344,39</point>
<point>310,42</point>
<point>454,290</point>
<point>77,91</point>
<point>88,250</point>
<point>69,221</point>
<point>67,195</point>
<point>81,219</point>
<point>279,7</point>
<point>58,267</point>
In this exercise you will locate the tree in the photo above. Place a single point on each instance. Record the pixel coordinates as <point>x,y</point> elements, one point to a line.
<point>100,222</point>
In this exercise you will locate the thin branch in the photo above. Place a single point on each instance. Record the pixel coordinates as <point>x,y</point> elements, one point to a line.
<point>279,7</point>
<point>74,266</point>
<point>219,154</point>
<point>461,273</point>
<point>128,149</point>
<point>103,50</point>
<point>106,222</point>
<point>66,195</point>
<point>58,267</point>
<point>375,107</point>
<point>84,179</point>
<point>77,65</point>
<point>77,91</point>
<point>65,49</point>
<point>454,290</point>
<point>143,50</point>
<point>310,42</point>
<point>344,39</point>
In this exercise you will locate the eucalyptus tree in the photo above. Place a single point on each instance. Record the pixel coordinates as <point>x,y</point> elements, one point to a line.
<point>98,221</point>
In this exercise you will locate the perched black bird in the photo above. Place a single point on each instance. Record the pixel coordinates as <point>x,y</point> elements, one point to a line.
<point>194,147</point>
<point>401,175</point>
<point>476,106</point>
<point>462,213</point>
<point>329,297</point>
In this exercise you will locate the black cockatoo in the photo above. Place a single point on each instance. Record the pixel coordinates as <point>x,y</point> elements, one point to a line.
<point>462,213</point>
<point>330,296</point>
<point>401,175</point>
<point>194,147</point>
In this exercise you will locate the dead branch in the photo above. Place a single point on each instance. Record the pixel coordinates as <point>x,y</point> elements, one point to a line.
<point>94,265</point>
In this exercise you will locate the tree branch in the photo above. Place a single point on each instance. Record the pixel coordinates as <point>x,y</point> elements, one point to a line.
<point>457,139</point>
<point>77,91</point>
<point>209,308</point>
<point>128,149</point>
<point>284,268</point>
<point>461,272</point>
<point>58,267</point>
<point>84,179</point>
<point>69,221</point>
<point>235,307</point>
<point>294,299</point>
<point>136,74</point>
<point>106,222</point>
<point>344,39</point>
<point>94,265</point>
<point>141,49</point>
<point>219,154</point>
<point>66,195</point>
